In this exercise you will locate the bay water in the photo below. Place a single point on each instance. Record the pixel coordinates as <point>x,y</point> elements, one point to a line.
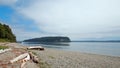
<point>102,48</point>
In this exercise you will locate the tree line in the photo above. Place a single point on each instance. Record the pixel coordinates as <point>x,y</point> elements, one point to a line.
<point>6,33</point>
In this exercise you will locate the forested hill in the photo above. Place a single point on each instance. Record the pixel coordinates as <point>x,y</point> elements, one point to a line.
<point>49,39</point>
<point>6,34</point>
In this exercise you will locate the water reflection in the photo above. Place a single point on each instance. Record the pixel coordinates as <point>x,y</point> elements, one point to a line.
<point>56,45</point>
<point>49,43</point>
<point>103,48</point>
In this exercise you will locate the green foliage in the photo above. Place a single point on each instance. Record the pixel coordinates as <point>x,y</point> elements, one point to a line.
<point>3,47</point>
<point>4,40</point>
<point>6,34</point>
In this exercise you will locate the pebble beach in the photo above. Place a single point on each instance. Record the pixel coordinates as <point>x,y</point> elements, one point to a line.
<point>52,58</point>
<point>67,59</point>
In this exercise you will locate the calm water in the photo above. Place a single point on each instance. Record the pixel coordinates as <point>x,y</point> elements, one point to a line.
<point>102,48</point>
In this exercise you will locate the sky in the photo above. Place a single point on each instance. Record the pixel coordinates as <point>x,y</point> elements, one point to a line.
<point>77,19</point>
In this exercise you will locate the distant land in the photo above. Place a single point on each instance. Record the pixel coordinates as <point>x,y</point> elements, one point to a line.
<point>49,39</point>
<point>64,39</point>
<point>97,41</point>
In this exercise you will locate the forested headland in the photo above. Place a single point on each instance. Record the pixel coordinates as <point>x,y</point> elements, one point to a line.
<point>49,39</point>
<point>6,34</point>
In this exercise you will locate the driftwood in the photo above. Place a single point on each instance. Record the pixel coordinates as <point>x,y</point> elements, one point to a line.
<point>35,48</point>
<point>33,57</point>
<point>24,56</point>
<point>5,50</point>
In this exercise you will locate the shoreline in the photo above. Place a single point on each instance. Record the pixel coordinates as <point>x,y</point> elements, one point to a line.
<point>84,52</point>
<point>66,59</point>
<point>53,58</point>
<point>109,49</point>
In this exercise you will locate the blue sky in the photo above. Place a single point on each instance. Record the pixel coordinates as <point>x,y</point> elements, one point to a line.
<point>77,19</point>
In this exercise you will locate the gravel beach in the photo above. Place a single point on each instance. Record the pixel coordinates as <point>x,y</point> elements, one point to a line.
<point>51,58</point>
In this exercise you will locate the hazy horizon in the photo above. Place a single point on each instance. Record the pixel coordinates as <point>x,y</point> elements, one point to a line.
<point>77,19</point>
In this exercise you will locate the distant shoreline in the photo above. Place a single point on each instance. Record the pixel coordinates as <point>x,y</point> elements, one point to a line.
<point>87,41</point>
<point>97,41</point>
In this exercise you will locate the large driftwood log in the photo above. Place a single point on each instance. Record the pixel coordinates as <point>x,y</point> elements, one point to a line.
<point>20,57</point>
<point>35,48</point>
<point>33,57</point>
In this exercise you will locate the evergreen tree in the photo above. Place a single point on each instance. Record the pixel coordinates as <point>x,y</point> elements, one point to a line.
<point>6,33</point>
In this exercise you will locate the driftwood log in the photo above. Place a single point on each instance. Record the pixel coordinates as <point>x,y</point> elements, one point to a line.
<point>25,57</point>
<point>35,48</point>
<point>33,57</point>
<point>20,57</point>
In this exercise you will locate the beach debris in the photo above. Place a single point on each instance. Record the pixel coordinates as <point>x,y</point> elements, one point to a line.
<point>4,50</point>
<point>23,58</point>
<point>33,57</point>
<point>22,65</point>
<point>20,57</point>
<point>35,48</point>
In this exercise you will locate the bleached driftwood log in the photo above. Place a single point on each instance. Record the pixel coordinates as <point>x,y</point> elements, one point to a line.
<point>24,61</point>
<point>35,48</point>
<point>20,57</point>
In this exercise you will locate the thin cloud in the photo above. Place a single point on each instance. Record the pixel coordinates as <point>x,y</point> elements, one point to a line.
<point>78,19</point>
<point>8,2</point>
<point>74,17</point>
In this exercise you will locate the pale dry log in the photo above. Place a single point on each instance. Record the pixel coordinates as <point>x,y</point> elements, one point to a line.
<point>20,57</point>
<point>35,48</point>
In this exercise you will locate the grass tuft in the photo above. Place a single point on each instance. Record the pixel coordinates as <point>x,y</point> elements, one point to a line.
<point>43,64</point>
<point>51,57</point>
<point>3,47</point>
